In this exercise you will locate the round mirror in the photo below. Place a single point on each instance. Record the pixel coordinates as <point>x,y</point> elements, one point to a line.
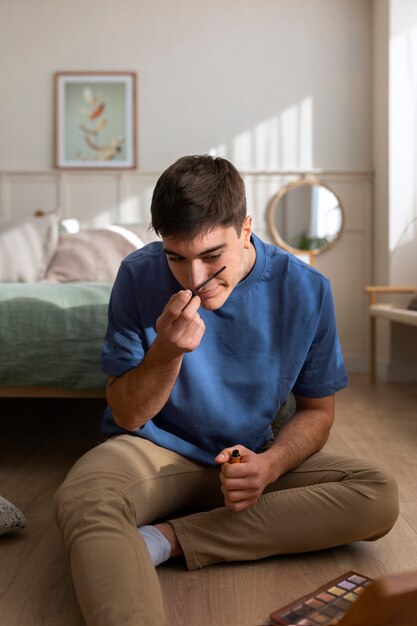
<point>305,217</point>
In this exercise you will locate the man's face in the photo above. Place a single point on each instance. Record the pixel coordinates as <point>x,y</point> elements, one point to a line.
<point>191,262</point>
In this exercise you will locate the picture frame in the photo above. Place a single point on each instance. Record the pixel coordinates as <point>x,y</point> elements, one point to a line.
<point>95,120</point>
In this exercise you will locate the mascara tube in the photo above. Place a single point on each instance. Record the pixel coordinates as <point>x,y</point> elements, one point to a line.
<point>235,456</point>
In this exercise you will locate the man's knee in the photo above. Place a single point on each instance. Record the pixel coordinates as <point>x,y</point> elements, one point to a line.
<point>85,505</point>
<point>381,492</point>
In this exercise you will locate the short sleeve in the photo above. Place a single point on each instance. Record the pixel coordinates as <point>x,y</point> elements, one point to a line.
<point>323,372</point>
<point>123,344</point>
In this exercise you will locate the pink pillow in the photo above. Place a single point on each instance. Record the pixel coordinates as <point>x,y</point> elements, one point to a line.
<point>91,255</point>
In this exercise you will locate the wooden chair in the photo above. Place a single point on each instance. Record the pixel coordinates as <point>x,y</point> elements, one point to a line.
<point>386,311</point>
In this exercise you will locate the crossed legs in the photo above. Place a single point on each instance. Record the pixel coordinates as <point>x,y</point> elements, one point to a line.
<point>128,481</point>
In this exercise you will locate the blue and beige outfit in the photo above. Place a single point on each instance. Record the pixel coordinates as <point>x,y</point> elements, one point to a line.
<point>275,334</point>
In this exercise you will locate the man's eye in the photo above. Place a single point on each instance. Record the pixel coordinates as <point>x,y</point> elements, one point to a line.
<point>175,259</point>
<point>212,257</point>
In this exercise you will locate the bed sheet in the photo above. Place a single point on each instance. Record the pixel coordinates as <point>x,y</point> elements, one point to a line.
<point>52,334</point>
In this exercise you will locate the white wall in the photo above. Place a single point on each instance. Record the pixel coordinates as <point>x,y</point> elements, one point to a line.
<point>402,257</point>
<point>403,143</point>
<point>395,164</point>
<point>272,85</point>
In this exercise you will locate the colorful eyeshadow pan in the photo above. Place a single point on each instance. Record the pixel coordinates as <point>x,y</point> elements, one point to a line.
<point>304,610</point>
<point>358,580</point>
<point>345,584</point>
<point>319,618</point>
<point>315,604</point>
<point>325,597</point>
<point>331,611</point>
<point>328,603</point>
<point>351,597</point>
<point>342,604</point>
<point>336,591</point>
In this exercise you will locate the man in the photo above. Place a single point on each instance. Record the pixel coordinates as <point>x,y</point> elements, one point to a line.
<point>194,377</point>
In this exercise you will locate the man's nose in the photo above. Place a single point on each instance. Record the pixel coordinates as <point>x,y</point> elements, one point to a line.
<point>197,274</point>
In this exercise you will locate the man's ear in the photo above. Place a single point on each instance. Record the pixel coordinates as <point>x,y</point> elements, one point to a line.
<point>247,231</point>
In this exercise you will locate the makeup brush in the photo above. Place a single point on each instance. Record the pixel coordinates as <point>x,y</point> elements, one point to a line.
<point>205,282</point>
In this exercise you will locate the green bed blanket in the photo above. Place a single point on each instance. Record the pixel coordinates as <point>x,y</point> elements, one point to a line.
<point>52,334</point>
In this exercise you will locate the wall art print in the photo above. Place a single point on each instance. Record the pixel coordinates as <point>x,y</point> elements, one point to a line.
<point>95,120</point>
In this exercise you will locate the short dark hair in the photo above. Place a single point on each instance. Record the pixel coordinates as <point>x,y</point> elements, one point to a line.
<point>197,194</point>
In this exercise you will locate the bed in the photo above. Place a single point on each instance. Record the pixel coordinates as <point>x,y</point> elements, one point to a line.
<point>51,337</point>
<point>54,293</point>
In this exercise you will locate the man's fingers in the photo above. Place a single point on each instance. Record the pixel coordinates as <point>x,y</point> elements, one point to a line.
<point>235,501</point>
<point>189,312</point>
<point>235,483</point>
<point>180,329</point>
<point>176,310</point>
<point>176,304</point>
<point>236,507</point>
<point>224,455</point>
<point>240,493</point>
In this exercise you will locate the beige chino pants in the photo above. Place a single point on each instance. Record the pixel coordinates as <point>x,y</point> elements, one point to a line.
<point>127,482</point>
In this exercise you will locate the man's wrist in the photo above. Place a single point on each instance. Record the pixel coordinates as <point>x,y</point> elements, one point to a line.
<point>162,352</point>
<point>275,464</point>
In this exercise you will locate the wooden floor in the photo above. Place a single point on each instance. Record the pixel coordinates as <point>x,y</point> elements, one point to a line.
<point>40,441</point>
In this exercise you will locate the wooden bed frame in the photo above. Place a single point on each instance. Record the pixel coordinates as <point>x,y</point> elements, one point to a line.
<point>50,392</point>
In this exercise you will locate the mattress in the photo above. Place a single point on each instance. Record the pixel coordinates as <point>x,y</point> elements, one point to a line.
<point>52,334</point>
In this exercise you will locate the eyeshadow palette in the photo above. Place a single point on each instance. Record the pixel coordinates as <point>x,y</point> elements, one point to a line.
<point>326,605</point>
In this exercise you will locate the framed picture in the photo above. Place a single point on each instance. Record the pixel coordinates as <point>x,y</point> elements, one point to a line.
<point>95,120</point>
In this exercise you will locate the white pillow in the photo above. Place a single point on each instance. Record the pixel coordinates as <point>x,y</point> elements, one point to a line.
<point>27,246</point>
<point>146,234</point>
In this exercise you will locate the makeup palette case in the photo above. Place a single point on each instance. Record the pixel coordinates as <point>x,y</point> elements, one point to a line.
<point>355,600</point>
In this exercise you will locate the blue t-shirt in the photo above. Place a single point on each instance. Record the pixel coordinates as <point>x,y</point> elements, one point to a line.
<point>275,333</point>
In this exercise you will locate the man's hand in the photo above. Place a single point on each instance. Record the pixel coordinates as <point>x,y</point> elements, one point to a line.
<point>243,483</point>
<point>303,435</point>
<point>141,392</point>
<point>180,327</point>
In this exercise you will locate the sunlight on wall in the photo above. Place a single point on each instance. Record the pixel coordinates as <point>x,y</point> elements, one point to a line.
<point>266,145</point>
<point>284,141</point>
<point>402,211</point>
<point>403,162</point>
<point>242,156</point>
<point>290,137</point>
<point>281,142</point>
<point>305,148</point>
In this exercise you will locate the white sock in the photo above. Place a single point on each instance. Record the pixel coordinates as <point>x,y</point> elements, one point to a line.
<point>157,544</point>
